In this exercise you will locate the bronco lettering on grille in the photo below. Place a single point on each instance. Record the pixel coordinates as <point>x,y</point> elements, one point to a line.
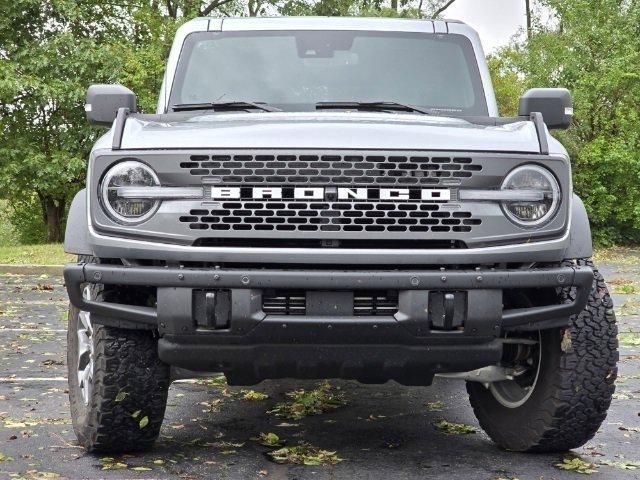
<point>330,193</point>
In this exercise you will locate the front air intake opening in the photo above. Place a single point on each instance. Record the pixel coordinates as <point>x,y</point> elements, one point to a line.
<point>362,303</point>
<point>321,243</point>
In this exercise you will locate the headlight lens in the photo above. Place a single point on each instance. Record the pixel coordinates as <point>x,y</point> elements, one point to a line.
<point>130,173</point>
<point>532,178</point>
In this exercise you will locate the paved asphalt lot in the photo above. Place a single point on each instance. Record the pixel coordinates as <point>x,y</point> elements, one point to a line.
<point>383,432</point>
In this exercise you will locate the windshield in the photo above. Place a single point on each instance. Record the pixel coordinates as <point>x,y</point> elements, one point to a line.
<point>295,70</point>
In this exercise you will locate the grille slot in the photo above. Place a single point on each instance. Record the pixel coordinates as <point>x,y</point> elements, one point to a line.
<point>284,302</point>
<point>313,216</point>
<point>374,303</point>
<point>331,169</point>
<point>365,303</point>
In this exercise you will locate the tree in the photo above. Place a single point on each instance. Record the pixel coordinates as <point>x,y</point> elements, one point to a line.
<point>49,55</point>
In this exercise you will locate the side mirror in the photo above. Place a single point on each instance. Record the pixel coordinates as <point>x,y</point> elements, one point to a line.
<point>555,105</point>
<point>104,101</point>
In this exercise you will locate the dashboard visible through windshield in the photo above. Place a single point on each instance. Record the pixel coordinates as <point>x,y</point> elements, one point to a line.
<point>297,70</point>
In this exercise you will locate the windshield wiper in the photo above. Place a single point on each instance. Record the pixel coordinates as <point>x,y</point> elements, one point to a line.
<point>225,106</point>
<point>373,106</point>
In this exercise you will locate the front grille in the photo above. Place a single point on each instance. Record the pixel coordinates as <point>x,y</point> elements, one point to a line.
<point>299,216</point>
<point>365,303</point>
<point>284,302</point>
<point>372,303</point>
<point>331,169</point>
<point>352,205</point>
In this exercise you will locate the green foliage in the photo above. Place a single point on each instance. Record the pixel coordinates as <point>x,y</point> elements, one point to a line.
<point>24,215</point>
<point>508,83</point>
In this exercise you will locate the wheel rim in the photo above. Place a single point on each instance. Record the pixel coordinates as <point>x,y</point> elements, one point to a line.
<point>85,351</point>
<point>514,393</point>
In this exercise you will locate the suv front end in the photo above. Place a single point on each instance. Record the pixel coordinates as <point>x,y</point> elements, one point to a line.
<point>312,236</point>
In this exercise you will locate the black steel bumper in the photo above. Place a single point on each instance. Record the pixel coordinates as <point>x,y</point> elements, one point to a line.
<point>402,346</point>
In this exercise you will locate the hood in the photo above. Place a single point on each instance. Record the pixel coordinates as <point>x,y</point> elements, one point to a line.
<point>341,130</point>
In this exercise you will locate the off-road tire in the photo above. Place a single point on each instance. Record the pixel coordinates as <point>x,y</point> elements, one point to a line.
<point>574,388</point>
<point>130,385</point>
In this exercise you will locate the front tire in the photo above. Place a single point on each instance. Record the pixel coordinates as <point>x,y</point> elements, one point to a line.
<point>117,384</point>
<point>567,398</point>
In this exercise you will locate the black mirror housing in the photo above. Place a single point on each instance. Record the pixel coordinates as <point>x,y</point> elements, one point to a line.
<point>555,105</point>
<point>104,101</point>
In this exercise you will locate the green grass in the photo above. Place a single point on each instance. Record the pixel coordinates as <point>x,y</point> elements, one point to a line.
<point>49,254</point>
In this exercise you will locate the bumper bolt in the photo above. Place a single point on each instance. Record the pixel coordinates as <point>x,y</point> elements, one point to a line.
<point>162,325</point>
<point>181,276</point>
<point>444,279</point>
<point>245,280</point>
<point>216,277</point>
<point>97,276</point>
<point>479,278</point>
<point>415,281</point>
<point>561,278</point>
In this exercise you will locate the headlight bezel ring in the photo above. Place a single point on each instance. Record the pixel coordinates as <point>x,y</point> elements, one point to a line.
<point>104,188</point>
<point>555,188</point>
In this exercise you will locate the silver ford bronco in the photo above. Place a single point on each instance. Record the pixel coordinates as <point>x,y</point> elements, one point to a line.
<point>335,198</point>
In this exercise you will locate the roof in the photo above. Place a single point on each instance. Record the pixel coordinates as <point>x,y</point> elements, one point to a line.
<point>326,23</point>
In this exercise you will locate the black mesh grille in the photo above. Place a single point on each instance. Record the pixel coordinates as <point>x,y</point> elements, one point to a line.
<point>330,217</point>
<point>331,169</point>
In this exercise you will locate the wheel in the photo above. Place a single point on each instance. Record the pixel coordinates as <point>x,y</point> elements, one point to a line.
<point>117,385</point>
<point>563,381</point>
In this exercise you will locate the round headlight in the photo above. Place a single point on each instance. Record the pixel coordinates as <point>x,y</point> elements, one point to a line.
<point>540,195</point>
<point>128,174</point>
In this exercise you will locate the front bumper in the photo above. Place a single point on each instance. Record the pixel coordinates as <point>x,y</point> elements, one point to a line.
<point>403,346</point>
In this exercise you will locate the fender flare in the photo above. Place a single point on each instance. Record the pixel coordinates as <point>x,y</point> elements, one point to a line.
<point>76,237</point>
<point>580,244</point>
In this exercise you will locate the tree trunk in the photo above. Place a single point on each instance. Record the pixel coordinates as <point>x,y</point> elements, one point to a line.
<point>394,5</point>
<point>254,7</point>
<point>527,4</point>
<point>54,211</point>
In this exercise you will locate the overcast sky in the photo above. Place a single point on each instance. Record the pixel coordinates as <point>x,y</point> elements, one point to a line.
<point>495,20</point>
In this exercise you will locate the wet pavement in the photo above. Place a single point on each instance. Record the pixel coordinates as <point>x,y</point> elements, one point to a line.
<point>210,430</point>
